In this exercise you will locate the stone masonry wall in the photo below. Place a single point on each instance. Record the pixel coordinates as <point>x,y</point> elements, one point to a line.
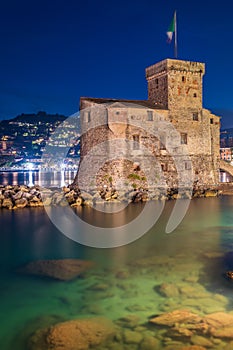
<point>122,141</point>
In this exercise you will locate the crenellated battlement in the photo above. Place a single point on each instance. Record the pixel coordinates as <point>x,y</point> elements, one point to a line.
<point>176,84</point>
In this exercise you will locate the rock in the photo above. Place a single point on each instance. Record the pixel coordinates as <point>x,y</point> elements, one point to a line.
<point>18,195</point>
<point>131,337</point>
<point>129,321</point>
<point>21,203</point>
<point>71,196</point>
<point>169,290</point>
<point>7,203</point>
<point>211,193</point>
<point>229,274</point>
<point>99,287</point>
<point>86,196</point>
<point>223,332</point>
<point>65,189</point>
<point>173,317</point>
<point>47,201</point>
<point>150,343</point>
<point>24,188</point>
<point>229,346</point>
<point>196,291</point>
<point>213,255</point>
<point>57,198</point>
<point>88,203</point>
<point>81,334</point>
<point>193,347</point>
<point>219,319</point>
<point>202,341</point>
<point>27,195</point>
<point>78,202</point>
<point>122,274</point>
<point>64,269</point>
<point>36,204</point>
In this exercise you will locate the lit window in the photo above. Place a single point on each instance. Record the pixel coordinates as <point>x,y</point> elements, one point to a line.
<point>183,138</point>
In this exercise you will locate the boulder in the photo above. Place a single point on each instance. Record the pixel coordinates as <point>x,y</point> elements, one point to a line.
<point>18,195</point>
<point>174,317</point>
<point>81,334</point>
<point>132,337</point>
<point>150,343</point>
<point>21,203</point>
<point>169,290</point>
<point>62,269</point>
<point>7,203</point>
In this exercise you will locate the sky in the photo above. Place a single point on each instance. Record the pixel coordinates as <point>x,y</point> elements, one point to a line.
<point>54,52</point>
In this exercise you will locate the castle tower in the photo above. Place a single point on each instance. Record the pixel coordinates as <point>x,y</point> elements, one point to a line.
<point>176,84</point>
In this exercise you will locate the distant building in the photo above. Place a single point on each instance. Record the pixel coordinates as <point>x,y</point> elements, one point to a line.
<point>226,153</point>
<point>175,96</point>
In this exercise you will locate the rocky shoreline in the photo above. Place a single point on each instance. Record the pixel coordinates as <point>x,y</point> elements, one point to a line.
<point>21,196</point>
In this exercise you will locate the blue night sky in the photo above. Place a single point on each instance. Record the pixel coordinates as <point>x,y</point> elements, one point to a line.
<point>53,52</point>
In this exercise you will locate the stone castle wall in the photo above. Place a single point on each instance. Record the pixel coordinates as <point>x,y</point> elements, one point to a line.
<point>153,147</point>
<point>175,84</point>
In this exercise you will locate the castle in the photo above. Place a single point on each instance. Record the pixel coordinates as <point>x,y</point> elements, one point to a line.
<point>165,141</point>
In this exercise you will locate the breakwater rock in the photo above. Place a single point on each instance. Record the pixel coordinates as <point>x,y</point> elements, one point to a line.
<point>21,196</point>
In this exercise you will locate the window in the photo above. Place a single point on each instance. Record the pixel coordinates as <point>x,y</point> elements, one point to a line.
<point>187,165</point>
<point>195,116</point>
<point>194,95</point>
<point>183,138</point>
<point>162,141</point>
<point>135,141</point>
<point>150,116</point>
<point>211,121</point>
<point>183,79</point>
<point>157,83</point>
<point>88,116</point>
<point>117,113</point>
<point>164,166</point>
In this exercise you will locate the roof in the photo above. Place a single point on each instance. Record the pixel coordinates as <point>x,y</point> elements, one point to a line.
<point>144,103</point>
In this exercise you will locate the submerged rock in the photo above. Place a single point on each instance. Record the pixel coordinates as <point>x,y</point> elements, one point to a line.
<point>201,331</point>
<point>62,269</point>
<point>177,316</point>
<point>81,334</point>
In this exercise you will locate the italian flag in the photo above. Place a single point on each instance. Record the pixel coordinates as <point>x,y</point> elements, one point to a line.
<point>171,29</point>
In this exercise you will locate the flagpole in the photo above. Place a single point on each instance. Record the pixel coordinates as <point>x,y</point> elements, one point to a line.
<point>175,42</point>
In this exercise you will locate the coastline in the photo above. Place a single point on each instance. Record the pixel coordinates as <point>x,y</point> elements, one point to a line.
<point>20,196</point>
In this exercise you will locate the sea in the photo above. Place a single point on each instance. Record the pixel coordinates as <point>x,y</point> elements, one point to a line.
<point>156,272</point>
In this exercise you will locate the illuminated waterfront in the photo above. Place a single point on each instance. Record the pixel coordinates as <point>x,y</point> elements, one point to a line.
<point>36,177</point>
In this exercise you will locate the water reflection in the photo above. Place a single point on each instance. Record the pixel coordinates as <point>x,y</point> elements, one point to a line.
<point>125,280</point>
<point>31,178</point>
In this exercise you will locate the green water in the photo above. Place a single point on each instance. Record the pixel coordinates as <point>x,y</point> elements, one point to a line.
<point>125,280</point>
